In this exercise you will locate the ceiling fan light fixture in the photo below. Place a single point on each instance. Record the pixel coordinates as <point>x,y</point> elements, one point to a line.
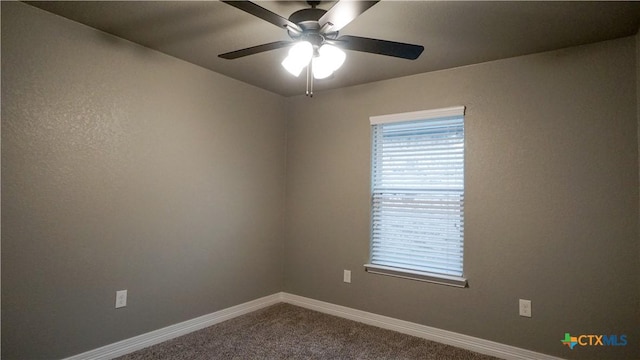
<point>292,66</point>
<point>334,55</point>
<point>329,59</point>
<point>299,56</point>
<point>321,68</point>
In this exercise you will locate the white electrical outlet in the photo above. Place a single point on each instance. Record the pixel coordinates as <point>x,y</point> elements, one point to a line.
<point>347,276</point>
<point>525,308</point>
<point>121,298</point>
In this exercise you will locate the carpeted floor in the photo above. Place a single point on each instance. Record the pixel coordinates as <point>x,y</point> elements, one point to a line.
<point>284,331</point>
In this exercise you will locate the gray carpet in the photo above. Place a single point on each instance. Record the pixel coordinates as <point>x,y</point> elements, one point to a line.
<point>284,331</point>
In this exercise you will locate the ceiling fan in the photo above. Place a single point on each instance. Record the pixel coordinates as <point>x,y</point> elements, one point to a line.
<point>316,43</point>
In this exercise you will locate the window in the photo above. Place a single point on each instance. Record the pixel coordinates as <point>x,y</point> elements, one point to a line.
<point>417,196</point>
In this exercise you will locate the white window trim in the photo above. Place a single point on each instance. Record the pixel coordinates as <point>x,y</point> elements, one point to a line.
<point>455,281</point>
<point>418,115</point>
<point>441,279</point>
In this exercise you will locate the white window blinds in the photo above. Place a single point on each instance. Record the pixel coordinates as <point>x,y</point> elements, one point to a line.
<point>418,192</point>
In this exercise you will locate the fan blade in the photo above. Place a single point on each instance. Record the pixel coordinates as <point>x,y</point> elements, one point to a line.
<point>344,12</point>
<point>264,14</point>
<point>255,49</point>
<point>382,47</point>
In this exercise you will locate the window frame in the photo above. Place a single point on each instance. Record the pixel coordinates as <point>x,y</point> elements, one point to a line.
<point>405,273</point>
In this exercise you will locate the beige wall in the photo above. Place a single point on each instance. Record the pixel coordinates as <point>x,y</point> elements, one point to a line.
<point>123,168</point>
<point>551,205</point>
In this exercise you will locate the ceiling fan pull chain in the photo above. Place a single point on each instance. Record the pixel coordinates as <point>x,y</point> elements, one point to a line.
<point>309,92</point>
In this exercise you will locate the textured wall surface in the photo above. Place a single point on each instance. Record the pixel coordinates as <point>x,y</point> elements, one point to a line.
<point>123,168</point>
<point>551,205</point>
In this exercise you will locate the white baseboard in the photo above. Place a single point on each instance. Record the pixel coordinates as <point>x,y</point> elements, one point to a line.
<point>426,332</point>
<point>422,331</point>
<point>157,336</point>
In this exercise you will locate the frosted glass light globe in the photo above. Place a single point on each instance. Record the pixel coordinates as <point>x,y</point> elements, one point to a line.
<point>299,56</point>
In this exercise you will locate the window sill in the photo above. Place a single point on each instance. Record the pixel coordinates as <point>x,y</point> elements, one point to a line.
<point>417,275</point>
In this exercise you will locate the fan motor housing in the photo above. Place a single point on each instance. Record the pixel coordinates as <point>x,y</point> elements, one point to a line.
<point>312,32</point>
<point>307,19</point>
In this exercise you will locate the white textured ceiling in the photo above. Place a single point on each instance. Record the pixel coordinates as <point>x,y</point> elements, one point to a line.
<point>453,33</point>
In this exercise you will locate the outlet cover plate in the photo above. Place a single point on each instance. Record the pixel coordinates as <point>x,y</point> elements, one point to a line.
<point>525,308</point>
<point>121,298</point>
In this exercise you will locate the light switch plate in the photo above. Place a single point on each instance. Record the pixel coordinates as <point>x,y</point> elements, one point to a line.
<point>347,276</point>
